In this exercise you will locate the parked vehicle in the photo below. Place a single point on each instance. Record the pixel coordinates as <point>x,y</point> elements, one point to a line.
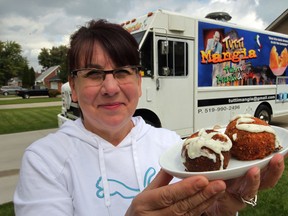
<point>10,90</point>
<point>199,73</point>
<point>27,93</point>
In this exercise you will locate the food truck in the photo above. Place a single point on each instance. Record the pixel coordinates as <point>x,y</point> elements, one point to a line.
<point>199,73</point>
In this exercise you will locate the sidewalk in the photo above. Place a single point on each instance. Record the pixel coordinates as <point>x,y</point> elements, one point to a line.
<point>12,148</point>
<point>31,105</point>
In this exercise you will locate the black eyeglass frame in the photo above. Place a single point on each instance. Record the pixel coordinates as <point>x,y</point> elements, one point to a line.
<point>137,67</point>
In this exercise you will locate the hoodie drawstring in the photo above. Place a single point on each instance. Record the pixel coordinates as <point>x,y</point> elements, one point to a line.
<point>136,165</point>
<point>104,178</point>
<point>104,173</point>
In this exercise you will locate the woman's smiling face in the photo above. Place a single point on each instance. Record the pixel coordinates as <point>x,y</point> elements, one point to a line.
<point>106,108</point>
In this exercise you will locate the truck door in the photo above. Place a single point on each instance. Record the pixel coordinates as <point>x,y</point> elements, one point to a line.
<point>174,83</point>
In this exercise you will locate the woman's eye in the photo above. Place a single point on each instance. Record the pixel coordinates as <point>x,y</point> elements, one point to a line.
<point>94,74</point>
<point>121,73</point>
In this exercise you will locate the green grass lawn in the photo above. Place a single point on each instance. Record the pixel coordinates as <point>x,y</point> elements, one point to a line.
<point>28,119</point>
<point>7,209</point>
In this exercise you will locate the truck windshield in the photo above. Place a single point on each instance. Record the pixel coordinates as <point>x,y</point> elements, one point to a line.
<point>146,52</point>
<point>139,36</point>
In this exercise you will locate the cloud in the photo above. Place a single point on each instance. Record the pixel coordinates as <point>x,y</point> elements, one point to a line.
<point>44,24</point>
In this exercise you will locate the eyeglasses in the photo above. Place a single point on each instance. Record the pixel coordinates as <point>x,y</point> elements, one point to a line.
<point>95,77</point>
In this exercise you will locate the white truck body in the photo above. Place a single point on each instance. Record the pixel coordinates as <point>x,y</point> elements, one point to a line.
<point>187,86</point>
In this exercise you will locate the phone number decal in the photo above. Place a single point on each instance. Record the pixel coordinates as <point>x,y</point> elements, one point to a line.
<point>219,109</point>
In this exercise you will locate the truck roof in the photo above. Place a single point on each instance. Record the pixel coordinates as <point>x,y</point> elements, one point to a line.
<point>157,20</point>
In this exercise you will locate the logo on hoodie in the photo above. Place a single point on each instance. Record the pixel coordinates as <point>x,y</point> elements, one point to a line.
<point>123,190</point>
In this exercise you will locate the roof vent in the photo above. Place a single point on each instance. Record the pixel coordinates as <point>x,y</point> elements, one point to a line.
<point>222,16</point>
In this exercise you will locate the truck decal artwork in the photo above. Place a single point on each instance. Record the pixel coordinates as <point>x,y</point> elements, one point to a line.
<point>238,57</point>
<point>133,26</point>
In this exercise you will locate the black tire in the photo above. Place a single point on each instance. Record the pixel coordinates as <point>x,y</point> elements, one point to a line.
<point>5,93</point>
<point>157,125</point>
<point>263,112</point>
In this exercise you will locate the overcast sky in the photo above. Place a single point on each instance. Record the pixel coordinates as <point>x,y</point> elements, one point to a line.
<point>36,24</point>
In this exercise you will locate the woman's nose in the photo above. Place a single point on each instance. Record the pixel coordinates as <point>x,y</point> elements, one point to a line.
<point>110,85</point>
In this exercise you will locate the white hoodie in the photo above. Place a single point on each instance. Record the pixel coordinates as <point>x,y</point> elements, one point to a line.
<point>75,172</point>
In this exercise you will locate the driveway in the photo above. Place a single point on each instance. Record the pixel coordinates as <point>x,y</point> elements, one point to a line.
<point>12,148</point>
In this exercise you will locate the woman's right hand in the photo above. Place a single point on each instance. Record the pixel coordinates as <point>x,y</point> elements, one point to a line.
<point>191,196</point>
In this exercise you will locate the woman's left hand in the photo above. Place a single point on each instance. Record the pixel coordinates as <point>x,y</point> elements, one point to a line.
<point>245,188</point>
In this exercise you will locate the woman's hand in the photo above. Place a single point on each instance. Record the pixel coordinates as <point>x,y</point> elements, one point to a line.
<point>247,187</point>
<point>273,172</point>
<point>191,196</point>
<point>195,195</point>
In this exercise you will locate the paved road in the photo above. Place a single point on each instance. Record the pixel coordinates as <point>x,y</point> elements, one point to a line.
<point>13,145</point>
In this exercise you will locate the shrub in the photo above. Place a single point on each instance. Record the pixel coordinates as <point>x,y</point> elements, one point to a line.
<point>53,93</point>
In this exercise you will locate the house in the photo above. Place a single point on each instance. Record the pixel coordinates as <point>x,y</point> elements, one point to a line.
<point>49,78</point>
<point>15,81</point>
<point>280,24</point>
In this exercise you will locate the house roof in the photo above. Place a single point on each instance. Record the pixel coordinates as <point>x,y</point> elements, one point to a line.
<point>280,24</point>
<point>46,73</point>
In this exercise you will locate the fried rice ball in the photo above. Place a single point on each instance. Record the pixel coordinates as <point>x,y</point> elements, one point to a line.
<point>252,138</point>
<point>206,150</point>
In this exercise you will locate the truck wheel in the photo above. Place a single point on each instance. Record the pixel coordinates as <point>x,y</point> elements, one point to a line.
<point>26,96</point>
<point>264,113</point>
<point>5,93</point>
<point>157,125</point>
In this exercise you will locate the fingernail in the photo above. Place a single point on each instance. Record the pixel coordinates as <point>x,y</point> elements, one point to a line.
<point>280,162</point>
<point>257,174</point>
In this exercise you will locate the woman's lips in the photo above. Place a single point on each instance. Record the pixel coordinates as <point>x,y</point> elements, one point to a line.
<point>111,105</point>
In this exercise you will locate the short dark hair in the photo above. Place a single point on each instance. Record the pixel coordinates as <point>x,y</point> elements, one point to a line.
<point>119,44</point>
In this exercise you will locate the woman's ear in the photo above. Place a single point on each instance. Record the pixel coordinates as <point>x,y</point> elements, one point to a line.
<point>140,86</point>
<point>73,90</point>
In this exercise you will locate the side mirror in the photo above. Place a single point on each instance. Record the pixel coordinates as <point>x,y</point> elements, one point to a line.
<point>164,47</point>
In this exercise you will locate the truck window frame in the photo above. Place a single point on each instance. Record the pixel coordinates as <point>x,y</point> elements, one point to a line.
<point>177,61</point>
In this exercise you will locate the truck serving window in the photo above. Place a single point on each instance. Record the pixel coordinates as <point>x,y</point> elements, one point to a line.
<point>172,58</point>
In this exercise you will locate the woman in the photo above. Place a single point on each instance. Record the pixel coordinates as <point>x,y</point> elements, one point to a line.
<point>106,162</point>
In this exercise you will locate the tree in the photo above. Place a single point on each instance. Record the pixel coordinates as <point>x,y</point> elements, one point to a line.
<point>44,58</point>
<point>12,62</point>
<point>32,76</point>
<point>28,79</point>
<point>55,56</point>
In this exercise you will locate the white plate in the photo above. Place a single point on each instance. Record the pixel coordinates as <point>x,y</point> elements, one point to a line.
<point>171,162</point>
